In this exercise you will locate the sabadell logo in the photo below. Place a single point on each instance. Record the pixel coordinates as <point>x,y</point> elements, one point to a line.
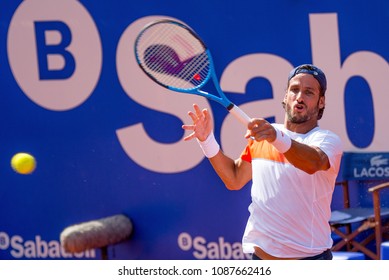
<point>37,248</point>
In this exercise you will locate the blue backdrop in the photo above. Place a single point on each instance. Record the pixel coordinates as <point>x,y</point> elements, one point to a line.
<point>108,140</point>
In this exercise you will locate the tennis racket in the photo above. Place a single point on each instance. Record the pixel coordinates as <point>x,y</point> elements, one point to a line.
<point>174,56</point>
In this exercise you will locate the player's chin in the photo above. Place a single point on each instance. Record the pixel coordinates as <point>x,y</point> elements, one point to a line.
<point>298,118</point>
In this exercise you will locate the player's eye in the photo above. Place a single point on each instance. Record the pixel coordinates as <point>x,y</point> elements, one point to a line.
<point>295,90</point>
<point>308,92</point>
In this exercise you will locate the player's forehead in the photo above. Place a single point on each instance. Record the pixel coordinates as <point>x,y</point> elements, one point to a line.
<point>304,80</point>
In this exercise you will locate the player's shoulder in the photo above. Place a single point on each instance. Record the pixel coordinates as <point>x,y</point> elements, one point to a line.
<point>329,135</point>
<point>327,132</point>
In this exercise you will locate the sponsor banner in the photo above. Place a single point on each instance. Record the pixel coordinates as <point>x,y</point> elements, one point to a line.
<point>37,248</point>
<point>366,166</point>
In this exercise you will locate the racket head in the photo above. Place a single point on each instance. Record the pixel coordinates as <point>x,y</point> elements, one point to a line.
<point>173,55</point>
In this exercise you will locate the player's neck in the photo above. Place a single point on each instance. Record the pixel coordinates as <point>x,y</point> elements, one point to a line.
<point>301,128</point>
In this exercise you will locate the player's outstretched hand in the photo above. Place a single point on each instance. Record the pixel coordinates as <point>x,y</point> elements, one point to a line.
<point>202,124</point>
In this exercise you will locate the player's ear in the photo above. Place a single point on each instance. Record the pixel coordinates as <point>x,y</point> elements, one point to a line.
<point>285,97</point>
<point>322,102</point>
<point>284,101</point>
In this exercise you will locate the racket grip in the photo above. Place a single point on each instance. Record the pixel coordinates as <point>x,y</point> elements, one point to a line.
<point>239,114</point>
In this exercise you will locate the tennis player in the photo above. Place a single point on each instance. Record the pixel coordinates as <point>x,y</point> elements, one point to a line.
<point>293,167</point>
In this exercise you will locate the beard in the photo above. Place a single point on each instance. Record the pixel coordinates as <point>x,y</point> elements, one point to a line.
<point>299,118</point>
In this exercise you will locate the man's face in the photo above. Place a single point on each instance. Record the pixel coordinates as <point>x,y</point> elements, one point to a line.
<point>302,99</point>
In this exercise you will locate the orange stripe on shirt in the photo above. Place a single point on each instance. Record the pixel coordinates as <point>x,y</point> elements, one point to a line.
<point>262,150</point>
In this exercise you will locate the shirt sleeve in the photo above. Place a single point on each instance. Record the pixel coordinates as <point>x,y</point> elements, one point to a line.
<point>332,146</point>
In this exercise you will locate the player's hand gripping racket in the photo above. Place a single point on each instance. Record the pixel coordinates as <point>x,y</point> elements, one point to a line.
<point>174,56</point>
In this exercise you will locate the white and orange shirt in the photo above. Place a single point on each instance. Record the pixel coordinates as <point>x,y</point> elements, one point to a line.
<point>290,209</point>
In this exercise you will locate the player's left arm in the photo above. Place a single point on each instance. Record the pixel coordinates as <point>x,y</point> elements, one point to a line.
<point>307,158</point>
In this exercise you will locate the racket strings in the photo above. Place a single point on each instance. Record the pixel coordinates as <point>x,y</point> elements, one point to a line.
<point>194,72</point>
<point>173,56</point>
<point>191,74</point>
<point>168,60</point>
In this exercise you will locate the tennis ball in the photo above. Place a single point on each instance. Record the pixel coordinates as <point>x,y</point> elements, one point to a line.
<point>23,163</point>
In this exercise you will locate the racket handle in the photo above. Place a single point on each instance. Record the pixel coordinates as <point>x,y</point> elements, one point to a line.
<point>239,114</point>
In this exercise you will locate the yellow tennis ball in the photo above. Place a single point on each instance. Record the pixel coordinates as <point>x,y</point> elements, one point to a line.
<point>23,163</point>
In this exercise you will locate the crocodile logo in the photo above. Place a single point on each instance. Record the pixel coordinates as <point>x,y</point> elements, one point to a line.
<point>378,161</point>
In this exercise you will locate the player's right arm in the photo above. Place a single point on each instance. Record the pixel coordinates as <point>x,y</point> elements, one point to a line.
<point>234,173</point>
